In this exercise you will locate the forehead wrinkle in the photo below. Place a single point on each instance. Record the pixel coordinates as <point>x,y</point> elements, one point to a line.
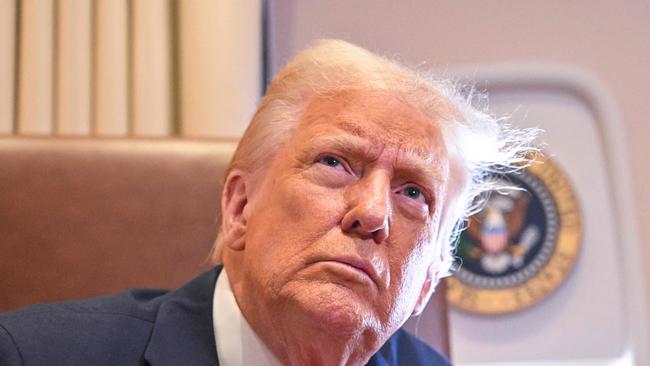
<point>410,158</point>
<point>349,144</point>
<point>421,167</point>
<point>371,138</point>
<point>355,130</point>
<point>411,163</point>
<point>413,156</point>
<point>395,137</point>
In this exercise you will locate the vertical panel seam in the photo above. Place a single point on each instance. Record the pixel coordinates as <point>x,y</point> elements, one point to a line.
<point>130,77</point>
<point>174,60</point>
<point>54,108</point>
<point>266,47</point>
<point>17,68</point>
<point>93,39</point>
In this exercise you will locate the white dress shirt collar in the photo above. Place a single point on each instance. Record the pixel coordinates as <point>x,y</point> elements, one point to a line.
<point>237,343</point>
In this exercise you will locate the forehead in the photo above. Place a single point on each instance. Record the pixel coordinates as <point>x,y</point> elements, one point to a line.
<point>378,120</point>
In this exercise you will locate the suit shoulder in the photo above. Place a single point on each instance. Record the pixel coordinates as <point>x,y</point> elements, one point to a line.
<point>120,323</point>
<point>405,349</point>
<point>9,352</point>
<point>136,303</point>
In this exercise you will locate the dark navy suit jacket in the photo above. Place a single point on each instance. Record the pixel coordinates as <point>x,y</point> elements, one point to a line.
<point>144,327</point>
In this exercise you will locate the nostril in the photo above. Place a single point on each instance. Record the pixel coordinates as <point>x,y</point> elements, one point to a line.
<point>379,235</point>
<point>365,227</point>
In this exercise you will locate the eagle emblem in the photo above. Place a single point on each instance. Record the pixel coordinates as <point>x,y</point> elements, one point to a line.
<point>499,237</point>
<point>521,246</point>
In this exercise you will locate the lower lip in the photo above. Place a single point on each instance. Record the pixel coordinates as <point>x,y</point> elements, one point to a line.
<point>348,270</point>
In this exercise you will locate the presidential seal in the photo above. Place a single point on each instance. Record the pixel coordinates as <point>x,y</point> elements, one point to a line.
<point>521,246</point>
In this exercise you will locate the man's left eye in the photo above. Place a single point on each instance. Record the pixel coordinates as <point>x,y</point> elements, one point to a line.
<point>330,161</point>
<point>412,192</point>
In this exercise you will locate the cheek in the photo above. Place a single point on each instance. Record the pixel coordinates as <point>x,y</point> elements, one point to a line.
<point>295,215</point>
<point>285,228</point>
<point>407,269</point>
<point>414,210</point>
<point>409,262</point>
<point>412,242</point>
<point>405,290</point>
<point>314,208</point>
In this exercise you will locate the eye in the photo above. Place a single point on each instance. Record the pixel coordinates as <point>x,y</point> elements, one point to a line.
<point>330,161</point>
<point>412,192</point>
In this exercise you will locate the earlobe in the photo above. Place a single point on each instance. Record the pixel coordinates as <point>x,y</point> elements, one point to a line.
<point>234,200</point>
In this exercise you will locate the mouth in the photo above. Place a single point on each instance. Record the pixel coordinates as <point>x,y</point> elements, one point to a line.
<point>357,266</point>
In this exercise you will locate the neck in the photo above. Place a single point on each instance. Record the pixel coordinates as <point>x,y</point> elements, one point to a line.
<point>314,345</point>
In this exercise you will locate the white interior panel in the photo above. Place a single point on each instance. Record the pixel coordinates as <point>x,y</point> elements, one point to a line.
<point>584,318</point>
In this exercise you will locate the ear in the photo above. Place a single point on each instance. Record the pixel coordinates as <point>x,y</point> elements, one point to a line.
<point>428,288</point>
<point>234,200</point>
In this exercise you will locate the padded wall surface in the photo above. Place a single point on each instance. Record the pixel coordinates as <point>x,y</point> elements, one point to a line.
<point>81,218</point>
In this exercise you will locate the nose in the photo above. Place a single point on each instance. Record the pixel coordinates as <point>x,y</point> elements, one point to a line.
<point>370,208</point>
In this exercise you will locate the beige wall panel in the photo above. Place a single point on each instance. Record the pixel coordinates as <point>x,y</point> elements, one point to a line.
<point>151,83</point>
<point>220,73</point>
<point>110,79</point>
<point>35,78</point>
<point>7,48</point>
<point>72,108</point>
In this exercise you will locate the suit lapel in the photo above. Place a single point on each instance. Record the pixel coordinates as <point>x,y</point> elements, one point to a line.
<point>183,332</point>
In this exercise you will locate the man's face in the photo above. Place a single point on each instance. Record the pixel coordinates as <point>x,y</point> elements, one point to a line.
<point>343,227</point>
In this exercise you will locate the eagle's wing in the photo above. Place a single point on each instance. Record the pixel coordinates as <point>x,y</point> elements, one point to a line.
<point>515,218</point>
<point>474,228</point>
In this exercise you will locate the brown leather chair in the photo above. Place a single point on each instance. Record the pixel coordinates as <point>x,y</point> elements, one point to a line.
<point>84,217</point>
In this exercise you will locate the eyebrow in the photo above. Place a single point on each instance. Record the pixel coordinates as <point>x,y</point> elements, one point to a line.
<point>354,129</point>
<point>418,170</point>
<point>349,145</point>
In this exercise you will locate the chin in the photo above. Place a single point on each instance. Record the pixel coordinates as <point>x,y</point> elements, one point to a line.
<point>336,308</point>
